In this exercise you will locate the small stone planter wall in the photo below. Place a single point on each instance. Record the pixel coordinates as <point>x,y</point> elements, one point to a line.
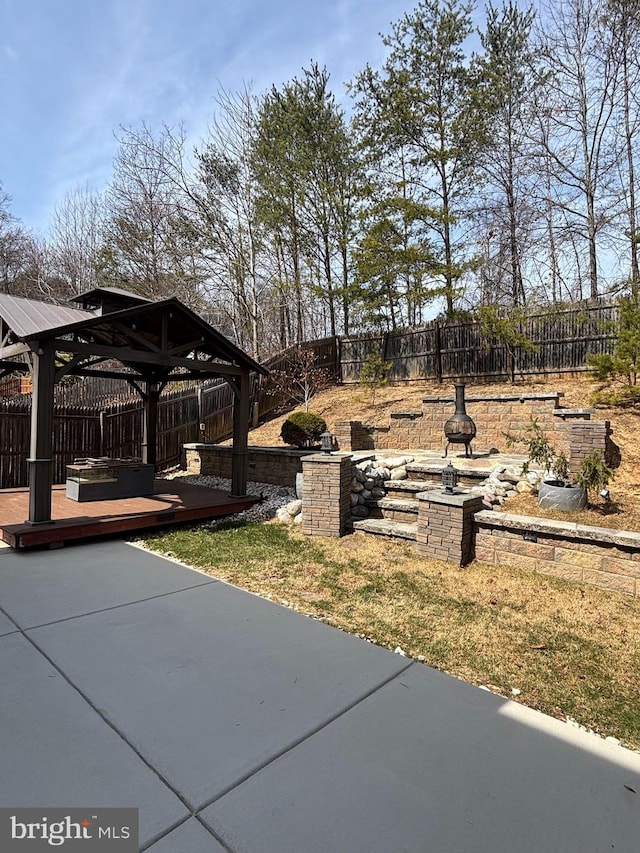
<point>494,414</point>
<point>606,558</point>
<point>570,431</point>
<point>265,464</point>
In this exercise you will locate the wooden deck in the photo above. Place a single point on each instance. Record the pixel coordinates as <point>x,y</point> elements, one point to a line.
<point>173,502</point>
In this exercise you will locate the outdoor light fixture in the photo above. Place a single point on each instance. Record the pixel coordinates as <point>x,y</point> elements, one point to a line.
<point>326,441</point>
<point>449,479</point>
<point>605,494</point>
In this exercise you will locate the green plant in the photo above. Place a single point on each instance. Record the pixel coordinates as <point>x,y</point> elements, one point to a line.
<point>540,451</point>
<point>623,365</point>
<point>374,374</point>
<point>303,429</point>
<point>594,472</point>
<point>506,330</point>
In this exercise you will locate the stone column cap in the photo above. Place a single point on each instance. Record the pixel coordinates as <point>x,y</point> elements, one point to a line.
<point>459,499</point>
<point>328,458</point>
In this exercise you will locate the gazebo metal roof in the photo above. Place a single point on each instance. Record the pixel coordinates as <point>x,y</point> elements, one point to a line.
<point>164,340</point>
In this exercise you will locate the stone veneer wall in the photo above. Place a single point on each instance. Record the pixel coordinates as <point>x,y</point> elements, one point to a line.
<point>606,558</point>
<point>265,464</point>
<point>493,415</point>
<point>570,431</point>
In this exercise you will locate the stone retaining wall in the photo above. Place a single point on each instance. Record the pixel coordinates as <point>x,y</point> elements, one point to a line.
<point>265,464</point>
<point>494,415</point>
<point>606,558</point>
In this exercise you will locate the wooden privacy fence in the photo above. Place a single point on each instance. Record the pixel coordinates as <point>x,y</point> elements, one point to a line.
<point>560,342</point>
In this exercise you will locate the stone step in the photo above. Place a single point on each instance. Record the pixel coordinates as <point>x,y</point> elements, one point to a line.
<point>383,527</point>
<point>394,509</point>
<point>430,471</point>
<point>410,488</point>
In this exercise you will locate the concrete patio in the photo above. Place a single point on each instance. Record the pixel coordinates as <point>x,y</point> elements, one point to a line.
<point>235,724</point>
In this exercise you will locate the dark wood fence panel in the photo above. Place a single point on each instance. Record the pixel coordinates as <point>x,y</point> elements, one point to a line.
<point>561,341</point>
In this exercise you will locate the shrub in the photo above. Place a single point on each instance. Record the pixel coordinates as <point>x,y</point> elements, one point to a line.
<point>374,374</point>
<point>303,429</point>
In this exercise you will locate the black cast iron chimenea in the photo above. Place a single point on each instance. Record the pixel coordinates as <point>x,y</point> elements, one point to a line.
<point>460,428</point>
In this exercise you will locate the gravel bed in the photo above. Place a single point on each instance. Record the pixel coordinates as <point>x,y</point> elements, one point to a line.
<point>271,497</point>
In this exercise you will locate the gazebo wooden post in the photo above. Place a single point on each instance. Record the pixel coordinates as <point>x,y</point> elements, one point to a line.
<point>239,455</point>
<point>41,446</point>
<point>150,424</point>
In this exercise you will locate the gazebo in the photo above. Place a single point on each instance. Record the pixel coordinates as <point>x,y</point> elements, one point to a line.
<point>155,343</point>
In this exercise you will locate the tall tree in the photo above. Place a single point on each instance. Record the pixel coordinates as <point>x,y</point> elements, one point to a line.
<point>422,110</point>
<point>148,245</point>
<point>75,238</point>
<point>622,21</point>
<point>578,107</point>
<point>305,167</point>
<point>508,79</point>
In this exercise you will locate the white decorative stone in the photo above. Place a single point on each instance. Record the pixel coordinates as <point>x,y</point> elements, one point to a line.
<point>393,462</point>
<point>282,514</point>
<point>399,474</point>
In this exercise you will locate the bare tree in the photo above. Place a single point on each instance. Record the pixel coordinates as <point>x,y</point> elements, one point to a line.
<point>76,233</point>
<point>577,107</point>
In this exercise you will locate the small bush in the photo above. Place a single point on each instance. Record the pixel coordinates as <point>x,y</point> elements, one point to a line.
<point>303,429</point>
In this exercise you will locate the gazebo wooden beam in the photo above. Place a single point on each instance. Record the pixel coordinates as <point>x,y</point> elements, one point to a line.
<point>164,359</point>
<point>13,350</point>
<point>41,447</point>
<point>239,454</point>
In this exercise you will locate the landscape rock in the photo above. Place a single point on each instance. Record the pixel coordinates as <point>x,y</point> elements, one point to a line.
<point>399,474</point>
<point>282,514</point>
<point>360,511</point>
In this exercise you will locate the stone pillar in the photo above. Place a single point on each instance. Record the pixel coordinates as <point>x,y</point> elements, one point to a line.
<point>585,437</point>
<point>326,494</point>
<point>446,526</point>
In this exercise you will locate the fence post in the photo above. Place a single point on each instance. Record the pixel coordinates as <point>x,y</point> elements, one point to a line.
<point>199,428</point>
<point>438,353</point>
<point>102,451</point>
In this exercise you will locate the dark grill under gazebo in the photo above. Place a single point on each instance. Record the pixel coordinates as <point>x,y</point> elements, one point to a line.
<point>154,342</point>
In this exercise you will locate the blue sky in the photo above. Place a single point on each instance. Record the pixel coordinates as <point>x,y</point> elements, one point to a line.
<point>72,71</point>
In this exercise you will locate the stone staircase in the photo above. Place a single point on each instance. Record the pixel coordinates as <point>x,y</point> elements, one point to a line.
<point>396,514</point>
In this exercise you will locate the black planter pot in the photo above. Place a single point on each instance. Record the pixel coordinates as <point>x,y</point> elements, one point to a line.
<point>566,497</point>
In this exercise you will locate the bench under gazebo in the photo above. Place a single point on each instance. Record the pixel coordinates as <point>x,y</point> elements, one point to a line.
<point>116,334</point>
